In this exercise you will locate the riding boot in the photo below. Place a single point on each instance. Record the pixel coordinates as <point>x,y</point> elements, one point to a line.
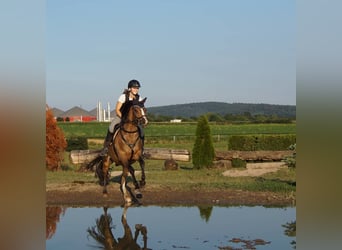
<point>106,143</point>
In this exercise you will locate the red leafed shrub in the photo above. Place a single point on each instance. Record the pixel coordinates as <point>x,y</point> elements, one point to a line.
<point>55,142</point>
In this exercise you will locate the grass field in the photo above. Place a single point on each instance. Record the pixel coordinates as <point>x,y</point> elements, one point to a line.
<point>99,129</point>
<point>176,135</point>
<point>182,136</point>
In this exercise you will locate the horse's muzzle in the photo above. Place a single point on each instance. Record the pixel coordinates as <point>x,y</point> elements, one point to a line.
<point>145,121</point>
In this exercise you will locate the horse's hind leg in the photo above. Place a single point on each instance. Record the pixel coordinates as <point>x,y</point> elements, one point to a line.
<point>105,172</point>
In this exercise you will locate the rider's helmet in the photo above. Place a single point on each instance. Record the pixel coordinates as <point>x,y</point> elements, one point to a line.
<point>133,83</point>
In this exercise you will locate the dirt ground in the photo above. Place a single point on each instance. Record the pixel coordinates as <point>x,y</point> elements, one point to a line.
<point>90,194</point>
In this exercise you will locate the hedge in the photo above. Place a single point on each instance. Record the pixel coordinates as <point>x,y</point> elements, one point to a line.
<point>261,142</point>
<point>77,143</point>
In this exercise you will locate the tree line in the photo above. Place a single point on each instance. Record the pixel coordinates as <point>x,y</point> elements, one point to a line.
<point>223,109</point>
<point>245,117</point>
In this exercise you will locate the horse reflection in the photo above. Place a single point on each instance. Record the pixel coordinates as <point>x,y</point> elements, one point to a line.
<point>103,234</point>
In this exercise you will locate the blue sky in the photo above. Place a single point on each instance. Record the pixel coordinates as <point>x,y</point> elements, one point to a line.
<point>180,51</point>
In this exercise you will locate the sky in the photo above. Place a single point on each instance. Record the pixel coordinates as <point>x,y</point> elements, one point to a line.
<point>180,51</point>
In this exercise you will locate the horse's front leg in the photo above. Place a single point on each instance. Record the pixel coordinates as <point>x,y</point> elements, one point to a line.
<point>142,166</point>
<point>137,192</point>
<point>126,191</point>
<point>132,172</point>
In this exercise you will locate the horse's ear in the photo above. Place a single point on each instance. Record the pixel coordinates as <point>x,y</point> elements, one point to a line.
<point>135,102</point>
<point>143,100</point>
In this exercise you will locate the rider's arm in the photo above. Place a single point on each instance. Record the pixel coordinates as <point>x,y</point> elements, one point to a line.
<point>117,109</point>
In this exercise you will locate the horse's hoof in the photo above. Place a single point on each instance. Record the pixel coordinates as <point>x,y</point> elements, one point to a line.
<point>138,194</point>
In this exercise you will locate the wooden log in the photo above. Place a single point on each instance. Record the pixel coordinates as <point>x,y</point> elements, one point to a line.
<point>84,156</point>
<point>266,155</point>
<point>166,154</point>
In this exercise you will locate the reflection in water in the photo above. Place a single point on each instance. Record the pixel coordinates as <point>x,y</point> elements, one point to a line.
<point>103,234</point>
<point>201,227</point>
<point>290,230</point>
<point>52,218</point>
<point>205,212</point>
<point>246,244</point>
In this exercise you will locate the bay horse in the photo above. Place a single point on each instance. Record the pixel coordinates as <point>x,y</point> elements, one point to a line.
<point>126,148</point>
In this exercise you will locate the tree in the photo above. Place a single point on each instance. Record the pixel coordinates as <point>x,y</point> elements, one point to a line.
<point>55,142</point>
<point>214,117</point>
<point>203,152</point>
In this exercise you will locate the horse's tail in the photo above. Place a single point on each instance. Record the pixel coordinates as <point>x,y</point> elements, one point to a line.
<point>97,166</point>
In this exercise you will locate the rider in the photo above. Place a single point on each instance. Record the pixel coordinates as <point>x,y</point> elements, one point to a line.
<point>129,94</point>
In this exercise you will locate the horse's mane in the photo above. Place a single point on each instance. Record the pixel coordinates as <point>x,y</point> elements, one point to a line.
<point>128,105</point>
<point>126,108</point>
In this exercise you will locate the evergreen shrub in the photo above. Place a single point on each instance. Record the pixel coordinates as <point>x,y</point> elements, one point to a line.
<point>203,152</point>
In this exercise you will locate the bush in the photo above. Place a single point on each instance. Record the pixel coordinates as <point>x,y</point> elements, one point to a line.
<point>203,152</point>
<point>238,163</point>
<point>290,161</point>
<point>77,143</point>
<point>260,142</point>
<point>55,142</point>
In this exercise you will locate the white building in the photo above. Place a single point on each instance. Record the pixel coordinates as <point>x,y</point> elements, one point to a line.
<point>103,115</point>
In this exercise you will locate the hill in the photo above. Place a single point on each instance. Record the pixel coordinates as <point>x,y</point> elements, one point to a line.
<point>221,108</point>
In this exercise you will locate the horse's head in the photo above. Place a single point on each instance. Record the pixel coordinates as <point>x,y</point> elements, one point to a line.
<point>140,112</point>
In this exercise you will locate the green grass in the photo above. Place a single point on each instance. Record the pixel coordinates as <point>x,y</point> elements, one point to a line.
<point>186,178</point>
<point>189,179</point>
<point>177,136</point>
<point>181,136</point>
<point>177,131</point>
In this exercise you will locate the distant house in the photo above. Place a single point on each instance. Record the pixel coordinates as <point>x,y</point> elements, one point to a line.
<point>176,120</point>
<point>75,114</point>
<point>57,112</point>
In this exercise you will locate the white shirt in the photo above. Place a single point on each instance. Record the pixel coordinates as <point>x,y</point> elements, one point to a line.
<point>122,98</point>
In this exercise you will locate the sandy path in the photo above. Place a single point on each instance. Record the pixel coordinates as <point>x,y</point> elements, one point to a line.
<point>255,169</point>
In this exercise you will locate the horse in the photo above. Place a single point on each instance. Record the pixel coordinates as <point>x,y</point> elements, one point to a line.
<point>103,233</point>
<point>126,148</point>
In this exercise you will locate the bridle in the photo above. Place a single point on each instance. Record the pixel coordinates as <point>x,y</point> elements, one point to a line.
<point>139,117</point>
<point>142,119</point>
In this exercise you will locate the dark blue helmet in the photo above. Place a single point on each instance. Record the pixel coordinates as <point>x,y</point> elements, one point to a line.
<point>133,83</point>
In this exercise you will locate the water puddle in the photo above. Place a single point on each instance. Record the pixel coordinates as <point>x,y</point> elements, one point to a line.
<point>159,228</point>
